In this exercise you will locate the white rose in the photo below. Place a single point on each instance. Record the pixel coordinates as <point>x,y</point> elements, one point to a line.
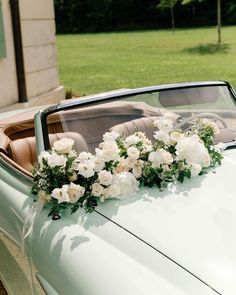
<point>127,184</point>
<point>72,154</point>
<point>192,150</point>
<point>86,169</point>
<point>61,194</point>
<point>109,151</point>
<point>137,171</point>
<point>164,124</point>
<point>133,152</point>
<point>162,136</point>
<point>43,155</point>
<point>56,160</point>
<point>122,166</point>
<point>75,192</point>
<point>195,169</point>
<point>73,177</point>
<point>130,162</point>
<point>63,146</point>
<point>132,139</point>
<point>97,189</point>
<point>99,164</point>
<point>111,136</point>
<point>84,156</point>
<point>160,157</point>
<point>105,177</point>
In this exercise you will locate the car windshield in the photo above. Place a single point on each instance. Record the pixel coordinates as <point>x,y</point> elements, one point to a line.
<point>137,111</point>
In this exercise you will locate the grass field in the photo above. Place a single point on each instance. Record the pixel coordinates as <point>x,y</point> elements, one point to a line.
<point>92,63</point>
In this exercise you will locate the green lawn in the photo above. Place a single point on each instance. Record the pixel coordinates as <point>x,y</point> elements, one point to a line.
<point>92,63</point>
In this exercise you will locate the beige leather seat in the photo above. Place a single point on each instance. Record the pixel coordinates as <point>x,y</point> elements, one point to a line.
<point>23,150</point>
<point>144,124</point>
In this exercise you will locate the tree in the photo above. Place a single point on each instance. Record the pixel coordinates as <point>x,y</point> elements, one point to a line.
<point>169,4</point>
<point>218,3</point>
<point>231,12</point>
<point>219,20</point>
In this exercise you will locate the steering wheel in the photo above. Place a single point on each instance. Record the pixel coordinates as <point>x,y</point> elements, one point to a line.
<point>202,115</point>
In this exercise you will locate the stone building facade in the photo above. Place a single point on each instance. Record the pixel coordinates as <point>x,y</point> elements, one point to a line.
<point>40,73</point>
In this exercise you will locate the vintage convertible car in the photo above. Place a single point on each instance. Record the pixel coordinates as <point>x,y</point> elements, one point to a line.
<point>176,241</point>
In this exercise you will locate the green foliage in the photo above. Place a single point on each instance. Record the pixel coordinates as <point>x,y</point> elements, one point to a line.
<point>167,3</point>
<point>184,2</point>
<point>66,181</point>
<point>77,16</point>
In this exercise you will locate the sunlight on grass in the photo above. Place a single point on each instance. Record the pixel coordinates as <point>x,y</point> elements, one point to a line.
<point>92,63</point>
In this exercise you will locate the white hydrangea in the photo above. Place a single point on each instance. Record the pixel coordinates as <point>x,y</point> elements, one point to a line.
<point>63,146</point>
<point>112,191</point>
<point>160,157</point>
<point>195,169</point>
<point>127,184</point>
<point>163,124</point>
<point>193,150</point>
<point>111,136</point>
<point>176,136</point>
<point>75,192</point>
<point>105,177</point>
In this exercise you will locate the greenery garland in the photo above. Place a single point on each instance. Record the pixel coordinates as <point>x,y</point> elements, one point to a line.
<point>65,179</point>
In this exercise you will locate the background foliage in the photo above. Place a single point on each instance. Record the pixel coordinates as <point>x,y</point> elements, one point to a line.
<point>76,16</point>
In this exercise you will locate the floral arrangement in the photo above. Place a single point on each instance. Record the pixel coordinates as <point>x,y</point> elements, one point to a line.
<point>120,166</point>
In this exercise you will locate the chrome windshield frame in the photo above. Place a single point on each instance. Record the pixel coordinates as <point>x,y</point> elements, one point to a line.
<point>112,96</point>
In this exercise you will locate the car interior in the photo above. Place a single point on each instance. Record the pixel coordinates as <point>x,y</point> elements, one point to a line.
<point>87,124</point>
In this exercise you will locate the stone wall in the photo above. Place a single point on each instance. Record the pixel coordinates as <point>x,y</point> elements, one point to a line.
<point>8,80</point>
<point>39,51</point>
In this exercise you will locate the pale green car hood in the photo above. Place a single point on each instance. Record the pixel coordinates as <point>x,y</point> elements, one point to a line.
<point>192,223</point>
